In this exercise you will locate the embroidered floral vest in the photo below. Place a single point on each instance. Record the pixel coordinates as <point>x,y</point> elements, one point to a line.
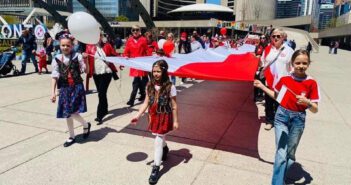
<point>69,74</point>
<point>163,103</point>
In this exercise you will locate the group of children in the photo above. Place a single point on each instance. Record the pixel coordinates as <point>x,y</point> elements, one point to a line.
<point>296,93</point>
<point>160,99</point>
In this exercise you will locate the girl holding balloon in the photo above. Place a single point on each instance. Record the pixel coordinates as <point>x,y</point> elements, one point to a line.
<point>66,70</point>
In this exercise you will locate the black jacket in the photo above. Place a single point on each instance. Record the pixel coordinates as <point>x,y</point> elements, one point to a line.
<point>28,43</point>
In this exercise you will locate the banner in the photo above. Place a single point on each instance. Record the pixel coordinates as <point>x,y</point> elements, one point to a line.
<point>212,64</point>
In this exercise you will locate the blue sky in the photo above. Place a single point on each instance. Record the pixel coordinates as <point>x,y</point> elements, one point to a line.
<point>214,1</point>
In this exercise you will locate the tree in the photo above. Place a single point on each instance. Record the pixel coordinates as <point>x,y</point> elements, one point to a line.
<point>121,18</point>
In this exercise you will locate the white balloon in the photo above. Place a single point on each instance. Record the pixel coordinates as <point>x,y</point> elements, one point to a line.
<point>84,27</point>
<point>160,43</point>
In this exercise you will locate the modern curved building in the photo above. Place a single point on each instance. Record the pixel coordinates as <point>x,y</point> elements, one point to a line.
<point>162,7</point>
<point>243,9</point>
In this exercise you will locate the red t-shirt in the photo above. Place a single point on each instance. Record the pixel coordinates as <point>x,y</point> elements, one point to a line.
<point>288,87</point>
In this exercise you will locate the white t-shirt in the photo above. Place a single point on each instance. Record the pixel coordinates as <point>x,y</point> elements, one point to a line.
<point>55,68</point>
<point>281,67</point>
<point>173,90</point>
<point>100,67</point>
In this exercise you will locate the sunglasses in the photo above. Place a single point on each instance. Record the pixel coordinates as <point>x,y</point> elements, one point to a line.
<point>135,30</point>
<point>276,36</point>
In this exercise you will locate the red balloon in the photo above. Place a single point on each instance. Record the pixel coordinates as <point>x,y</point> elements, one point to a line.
<point>223,31</point>
<point>168,47</point>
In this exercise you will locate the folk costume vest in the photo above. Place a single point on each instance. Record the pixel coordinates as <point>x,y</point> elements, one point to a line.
<point>69,74</point>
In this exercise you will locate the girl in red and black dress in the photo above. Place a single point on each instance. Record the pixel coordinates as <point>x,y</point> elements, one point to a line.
<point>163,113</point>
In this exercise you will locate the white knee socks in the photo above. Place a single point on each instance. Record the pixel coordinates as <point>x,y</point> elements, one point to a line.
<point>70,125</point>
<point>160,142</point>
<point>80,119</point>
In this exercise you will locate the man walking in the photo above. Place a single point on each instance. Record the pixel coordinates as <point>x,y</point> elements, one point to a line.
<point>29,46</point>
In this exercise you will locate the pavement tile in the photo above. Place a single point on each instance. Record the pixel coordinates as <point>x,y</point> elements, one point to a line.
<point>11,133</point>
<point>101,163</point>
<point>29,149</point>
<point>223,175</point>
<point>33,119</point>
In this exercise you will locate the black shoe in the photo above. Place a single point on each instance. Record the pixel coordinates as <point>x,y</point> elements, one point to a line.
<point>69,143</point>
<point>130,103</point>
<point>154,175</point>
<point>99,120</point>
<point>86,134</point>
<point>165,152</point>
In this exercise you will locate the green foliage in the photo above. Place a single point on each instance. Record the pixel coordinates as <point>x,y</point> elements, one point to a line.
<point>121,18</point>
<point>11,19</point>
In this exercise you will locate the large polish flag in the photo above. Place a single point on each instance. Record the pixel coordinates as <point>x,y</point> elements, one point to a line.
<point>212,64</point>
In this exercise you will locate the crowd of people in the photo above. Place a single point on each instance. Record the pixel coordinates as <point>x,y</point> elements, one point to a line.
<point>281,82</point>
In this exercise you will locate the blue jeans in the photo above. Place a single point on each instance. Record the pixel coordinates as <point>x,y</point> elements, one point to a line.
<point>289,126</point>
<point>26,56</point>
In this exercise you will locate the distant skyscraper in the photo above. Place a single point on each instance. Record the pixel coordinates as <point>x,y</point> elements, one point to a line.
<point>289,8</point>
<point>306,7</point>
<point>125,8</point>
<point>108,8</point>
<point>326,11</point>
<point>294,8</point>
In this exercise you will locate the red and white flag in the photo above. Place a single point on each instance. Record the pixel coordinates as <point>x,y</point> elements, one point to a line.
<point>212,64</point>
<point>282,95</point>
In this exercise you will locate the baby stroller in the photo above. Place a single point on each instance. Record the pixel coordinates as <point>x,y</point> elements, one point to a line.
<point>6,65</point>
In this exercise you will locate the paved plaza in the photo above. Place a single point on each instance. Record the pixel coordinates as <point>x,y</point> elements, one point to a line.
<point>221,140</point>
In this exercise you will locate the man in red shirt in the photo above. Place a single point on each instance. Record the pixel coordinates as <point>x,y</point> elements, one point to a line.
<point>136,46</point>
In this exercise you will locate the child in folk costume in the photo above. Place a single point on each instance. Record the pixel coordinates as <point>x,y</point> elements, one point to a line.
<point>42,60</point>
<point>66,70</point>
<point>163,113</point>
<point>295,93</point>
